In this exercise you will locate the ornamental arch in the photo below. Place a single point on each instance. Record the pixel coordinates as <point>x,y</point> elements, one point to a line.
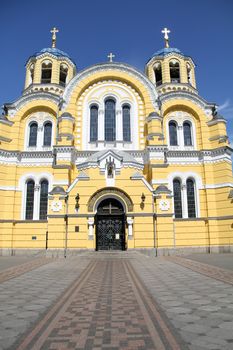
<point>109,192</point>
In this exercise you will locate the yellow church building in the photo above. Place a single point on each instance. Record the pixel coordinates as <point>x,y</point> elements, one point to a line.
<point>112,158</point>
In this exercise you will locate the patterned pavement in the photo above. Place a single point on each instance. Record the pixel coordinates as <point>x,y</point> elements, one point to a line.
<point>118,300</point>
<point>20,269</point>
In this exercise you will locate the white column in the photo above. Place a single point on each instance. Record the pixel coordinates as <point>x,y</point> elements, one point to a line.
<point>119,125</point>
<point>130,228</point>
<point>36,206</point>
<point>101,125</point>
<point>184,200</point>
<point>90,222</point>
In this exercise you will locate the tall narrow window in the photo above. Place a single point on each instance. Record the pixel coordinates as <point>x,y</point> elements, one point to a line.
<point>126,123</point>
<point>47,134</point>
<point>158,74</point>
<point>33,128</point>
<point>93,123</point>
<point>188,73</point>
<point>43,199</point>
<point>110,120</point>
<point>177,198</point>
<point>32,68</point>
<point>191,198</point>
<point>173,133</point>
<point>187,134</point>
<point>63,74</point>
<point>174,71</point>
<point>29,200</point>
<point>46,72</point>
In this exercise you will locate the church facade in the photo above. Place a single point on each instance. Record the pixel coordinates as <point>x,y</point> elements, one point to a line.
<point>111,158</point>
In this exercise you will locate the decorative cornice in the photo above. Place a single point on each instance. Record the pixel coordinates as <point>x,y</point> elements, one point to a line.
<point>108,191</point>
<point>153,116</point>
<point>108,67</point>
<point>49,54</point>
<point>186,96</point>
<point>66,116</point>
<point>4,120</point>
<point>216,121</point>
<point>18,104</point>
<point>5,139</point>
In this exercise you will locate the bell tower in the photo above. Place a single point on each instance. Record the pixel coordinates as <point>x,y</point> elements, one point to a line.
<point>49,70</point>
<point>169,69</point>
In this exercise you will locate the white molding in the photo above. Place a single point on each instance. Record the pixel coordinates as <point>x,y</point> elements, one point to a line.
<point>105,67</point>
<point>214,186</point>
<point>9,188</point>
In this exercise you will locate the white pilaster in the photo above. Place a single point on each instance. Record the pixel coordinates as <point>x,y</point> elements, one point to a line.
<point>90,222</point>
<point>130,228</point>
<point>119,125</point>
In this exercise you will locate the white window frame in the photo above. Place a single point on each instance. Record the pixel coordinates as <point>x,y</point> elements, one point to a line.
<point>100,102</point>
<point>40,118</point>
<point>37,178</point>
<point>179,118</point>
<point>183,177</point>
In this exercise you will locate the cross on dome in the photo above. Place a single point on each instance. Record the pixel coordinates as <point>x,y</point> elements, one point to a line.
<point>111,56</point>
<point>166,31</point>
<point>54,37</point>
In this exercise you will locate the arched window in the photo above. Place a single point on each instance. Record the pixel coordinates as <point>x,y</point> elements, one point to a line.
<point>33,128</point>
<point>158,74</point>
<point>187,134</point>
<point>29,199</point>
<point>173,133</point>
<point>44,186</point>
<point>177,198</point>
<point>31,69</point>
<point>46,72</point>
<point>174,71</point>
<point>110,120</point>
<point>93,123</point>
<point>191,198</point>
<point>63,74</point>
<point>126,123</point>
<point>188,73</point>
<point>47,134</point>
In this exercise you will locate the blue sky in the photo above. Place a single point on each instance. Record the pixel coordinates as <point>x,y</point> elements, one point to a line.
<point>89,30</point>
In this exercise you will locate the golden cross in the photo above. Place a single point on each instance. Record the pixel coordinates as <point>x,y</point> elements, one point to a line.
<point>166,31</point>
<point>54,37</point>
<point>111,56</point>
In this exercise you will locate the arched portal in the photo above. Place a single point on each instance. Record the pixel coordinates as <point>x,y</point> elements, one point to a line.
<point>110,225</point>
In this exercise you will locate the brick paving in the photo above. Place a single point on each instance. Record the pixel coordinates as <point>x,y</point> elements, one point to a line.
<point>108,308</point>
<point>205,269</point>
<point>118,300</point>
<point>18,270</point>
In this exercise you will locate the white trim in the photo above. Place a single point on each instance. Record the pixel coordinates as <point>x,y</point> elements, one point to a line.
<point>214,186</point>
<point>109,196</point>
<point>9,188</point>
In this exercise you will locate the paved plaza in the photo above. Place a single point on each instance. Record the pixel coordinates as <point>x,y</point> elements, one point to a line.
<point>117,300</point>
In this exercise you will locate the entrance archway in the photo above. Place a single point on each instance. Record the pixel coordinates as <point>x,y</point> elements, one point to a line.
<point>110,225</point>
